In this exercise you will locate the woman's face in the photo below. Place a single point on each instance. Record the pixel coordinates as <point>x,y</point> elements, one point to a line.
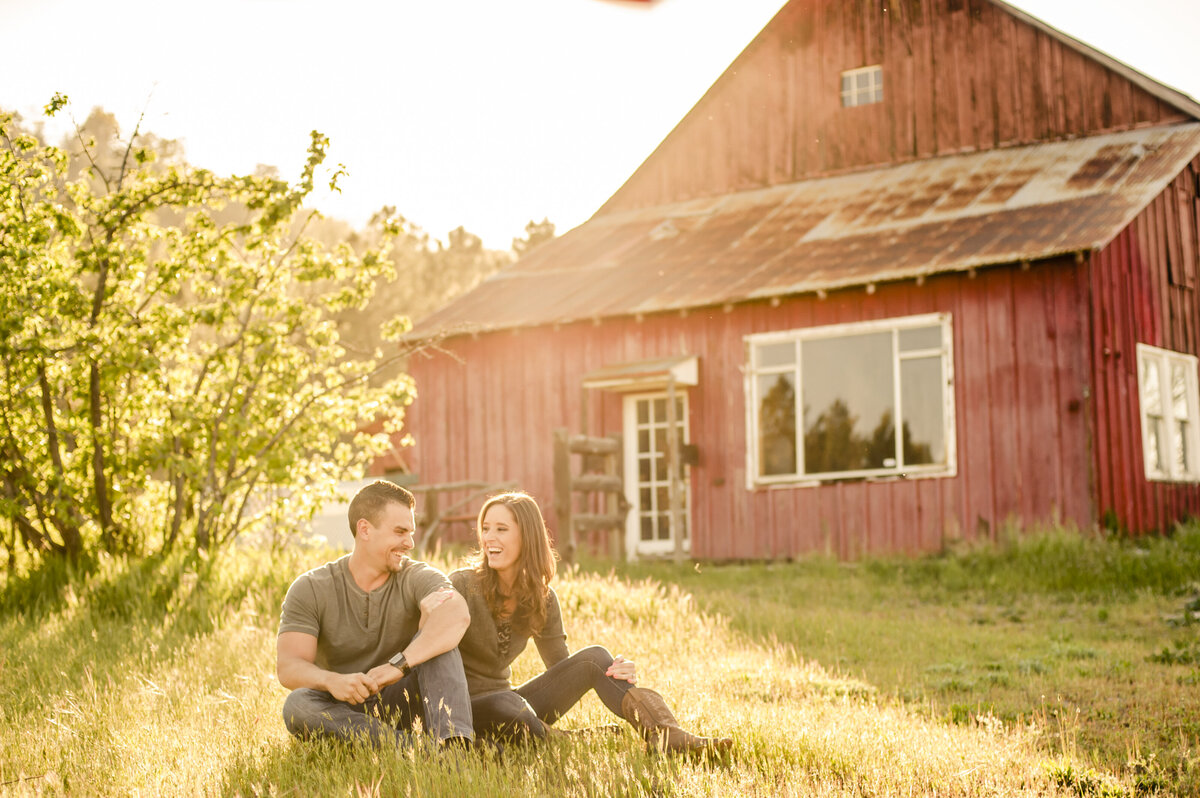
<point>500,538</point>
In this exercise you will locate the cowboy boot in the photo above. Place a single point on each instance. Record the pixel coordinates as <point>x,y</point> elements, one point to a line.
<point>647,712</point>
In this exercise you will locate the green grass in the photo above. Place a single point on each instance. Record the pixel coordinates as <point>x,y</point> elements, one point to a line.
<point>883,678</point>
<point>1098,638</point>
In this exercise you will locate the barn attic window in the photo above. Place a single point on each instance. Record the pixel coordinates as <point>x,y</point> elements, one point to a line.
<point>862,86</point>
<point>1170,408</point>
<point>864,400</point>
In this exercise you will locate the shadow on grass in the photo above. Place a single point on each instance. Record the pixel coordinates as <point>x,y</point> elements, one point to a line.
<point>113,620</point>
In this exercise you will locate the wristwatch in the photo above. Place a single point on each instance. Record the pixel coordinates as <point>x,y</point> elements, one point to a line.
<point>400,662</point>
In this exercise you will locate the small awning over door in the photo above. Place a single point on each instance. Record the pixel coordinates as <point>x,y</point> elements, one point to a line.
<point>645,375</point>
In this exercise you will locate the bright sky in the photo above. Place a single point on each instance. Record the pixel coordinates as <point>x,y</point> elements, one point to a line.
<point>484,113</point>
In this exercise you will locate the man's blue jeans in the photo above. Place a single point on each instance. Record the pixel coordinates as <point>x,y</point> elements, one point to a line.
<point>436,690</point>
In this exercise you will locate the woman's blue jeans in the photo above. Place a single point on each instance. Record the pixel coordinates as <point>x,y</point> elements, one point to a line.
<point>537,703</point>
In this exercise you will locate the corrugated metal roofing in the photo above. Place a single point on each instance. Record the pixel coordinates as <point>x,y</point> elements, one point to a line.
<point>923,218</point>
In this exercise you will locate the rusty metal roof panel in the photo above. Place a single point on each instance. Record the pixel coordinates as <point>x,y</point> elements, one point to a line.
<point>944,214</point>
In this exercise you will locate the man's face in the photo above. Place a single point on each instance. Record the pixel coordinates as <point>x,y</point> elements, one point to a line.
<point>392,538</point>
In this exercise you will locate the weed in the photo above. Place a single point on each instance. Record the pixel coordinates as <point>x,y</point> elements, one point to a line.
<point>1087,783</point>
<point>1182,652</point>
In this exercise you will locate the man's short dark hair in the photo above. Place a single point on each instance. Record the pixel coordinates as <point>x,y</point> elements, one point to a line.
<point>370,502</point>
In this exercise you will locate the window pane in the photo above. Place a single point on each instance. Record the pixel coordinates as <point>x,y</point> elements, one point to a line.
<point>878,95</point>
<point>1182,455</point>
<point>921,338</point>
<point>644,469</point>
<point>664,499</point>
<point>862,83</point>
<point>646,499</point>
<point>660,410</point>
<point>643,440</point>
<point>660,440</point>
<point>660,468</point>
<point>922,405</point>
<point>848,413</point>
<point>847,84</point>
<point>1155,459</point>
<point>1179,403</point>
<point>643,411</point>
<point>1150,389</point>
<point>647,527</point>
<point>783,354</point>
<point>777,424</point>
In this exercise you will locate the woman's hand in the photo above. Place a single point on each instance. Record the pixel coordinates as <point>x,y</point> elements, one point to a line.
<point>623,669</point>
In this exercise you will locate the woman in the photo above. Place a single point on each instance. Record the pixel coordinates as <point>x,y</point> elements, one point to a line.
<point>508,592</point>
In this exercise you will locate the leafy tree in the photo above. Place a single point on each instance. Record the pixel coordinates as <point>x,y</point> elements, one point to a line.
<point>536,234</point>
<point>831,444</point>
<point>171,372</point>
<point>777,422</point>
<point>433,273</point>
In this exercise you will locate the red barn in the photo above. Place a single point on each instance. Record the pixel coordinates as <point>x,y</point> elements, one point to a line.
<point>913,271</point>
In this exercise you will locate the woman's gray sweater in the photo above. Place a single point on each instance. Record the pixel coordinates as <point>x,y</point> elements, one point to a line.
<point>486,670</point>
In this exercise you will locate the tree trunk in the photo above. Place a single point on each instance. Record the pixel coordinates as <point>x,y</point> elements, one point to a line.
<point>69,530</point>
<point>108,530</point>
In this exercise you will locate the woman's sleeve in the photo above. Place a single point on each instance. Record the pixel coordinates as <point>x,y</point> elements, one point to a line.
<point>552,640</point>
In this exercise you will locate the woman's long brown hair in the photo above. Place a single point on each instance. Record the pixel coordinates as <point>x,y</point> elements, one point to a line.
<point>535,568</point>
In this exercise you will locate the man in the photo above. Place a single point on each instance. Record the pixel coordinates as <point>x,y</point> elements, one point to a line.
<point>369,640</point>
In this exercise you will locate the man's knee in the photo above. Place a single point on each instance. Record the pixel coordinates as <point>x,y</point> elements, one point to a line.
<point>447,664</point>
<point>301,711</point>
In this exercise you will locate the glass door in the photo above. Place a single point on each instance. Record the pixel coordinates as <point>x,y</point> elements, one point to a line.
<point>647,487</point>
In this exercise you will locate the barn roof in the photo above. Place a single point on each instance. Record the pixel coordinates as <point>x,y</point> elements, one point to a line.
<point>922,218</point>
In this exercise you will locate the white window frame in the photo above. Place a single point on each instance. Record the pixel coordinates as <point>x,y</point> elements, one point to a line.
<point>946,351</point>
<point>1165,359</point>
<point>854,96</point>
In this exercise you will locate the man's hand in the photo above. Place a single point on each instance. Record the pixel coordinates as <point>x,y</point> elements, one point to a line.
<point>353,688</point>
<point>384,675</point>
<point>295,665</point>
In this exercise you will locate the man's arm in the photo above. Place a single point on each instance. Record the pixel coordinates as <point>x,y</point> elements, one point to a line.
<point>444,621</point>
<point>295,665</point>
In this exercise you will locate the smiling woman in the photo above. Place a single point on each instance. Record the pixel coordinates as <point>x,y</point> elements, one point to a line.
<point>509,595</point>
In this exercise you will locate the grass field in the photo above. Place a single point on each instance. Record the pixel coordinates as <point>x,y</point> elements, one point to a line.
<point>1098,639</point>
<point>886,678</point>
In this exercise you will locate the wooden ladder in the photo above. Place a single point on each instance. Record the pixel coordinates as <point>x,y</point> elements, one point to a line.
<point>600,473</point>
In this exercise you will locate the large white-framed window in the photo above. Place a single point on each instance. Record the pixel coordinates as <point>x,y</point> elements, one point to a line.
<point>1170,407</point>
<point>862,86</point>
<point>825,403</point>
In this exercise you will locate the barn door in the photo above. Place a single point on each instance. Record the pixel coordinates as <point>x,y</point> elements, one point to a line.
<point>647,486</point>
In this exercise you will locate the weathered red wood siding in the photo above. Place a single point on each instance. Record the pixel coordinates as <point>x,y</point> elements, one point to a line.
<point>958,75</point>
<point>1021,360</point>
<point>1143,290</point>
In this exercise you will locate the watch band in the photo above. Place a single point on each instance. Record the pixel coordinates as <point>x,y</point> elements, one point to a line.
<point>400,662</point>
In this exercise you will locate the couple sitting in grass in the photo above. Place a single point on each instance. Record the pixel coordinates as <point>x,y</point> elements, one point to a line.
<point>373,640</point>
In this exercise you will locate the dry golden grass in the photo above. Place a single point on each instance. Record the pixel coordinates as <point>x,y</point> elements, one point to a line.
<point>177,696</point>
